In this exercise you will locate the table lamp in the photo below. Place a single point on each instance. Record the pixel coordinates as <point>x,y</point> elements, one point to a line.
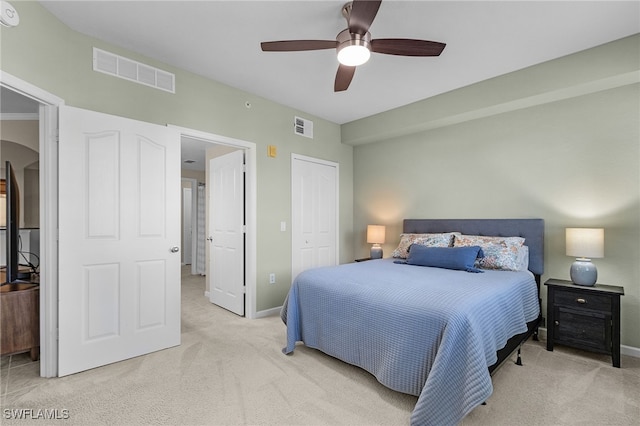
<point>584,244</point>
<point>375,236</point>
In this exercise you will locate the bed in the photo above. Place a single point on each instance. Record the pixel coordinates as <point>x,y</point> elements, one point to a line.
<point>433,332</point>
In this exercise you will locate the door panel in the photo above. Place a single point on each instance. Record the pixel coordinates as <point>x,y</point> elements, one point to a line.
<point>119,216</point>
<point>314,215</point>
<point>226,198</point>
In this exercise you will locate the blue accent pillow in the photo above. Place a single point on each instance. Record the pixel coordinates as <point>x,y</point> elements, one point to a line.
<point>458,258</point>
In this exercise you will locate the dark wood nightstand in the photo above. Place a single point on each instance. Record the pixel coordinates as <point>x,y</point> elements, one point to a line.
<point>584,317</point>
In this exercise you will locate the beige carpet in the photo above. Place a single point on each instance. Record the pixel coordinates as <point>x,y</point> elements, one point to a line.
<point>230,371</point>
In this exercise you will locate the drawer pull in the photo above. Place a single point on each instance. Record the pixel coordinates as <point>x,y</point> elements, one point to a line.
<point>581,300</point>
<point>556,322</point>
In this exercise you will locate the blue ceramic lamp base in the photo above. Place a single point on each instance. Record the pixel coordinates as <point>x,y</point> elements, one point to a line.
<point>376,251</point>
<point>583,272</point>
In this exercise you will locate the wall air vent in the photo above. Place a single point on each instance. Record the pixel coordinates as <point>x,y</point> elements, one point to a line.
<point>119,66</point>
<point>303,127</point>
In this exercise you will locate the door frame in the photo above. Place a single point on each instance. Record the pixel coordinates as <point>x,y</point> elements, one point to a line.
<point>299,157</point>
<point>250,205</point>
<point>48,146</point>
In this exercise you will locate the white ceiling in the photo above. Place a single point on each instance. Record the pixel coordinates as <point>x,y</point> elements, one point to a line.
<point>221,40</point>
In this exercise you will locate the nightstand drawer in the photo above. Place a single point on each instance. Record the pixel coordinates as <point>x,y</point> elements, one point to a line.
<point>582,300</point>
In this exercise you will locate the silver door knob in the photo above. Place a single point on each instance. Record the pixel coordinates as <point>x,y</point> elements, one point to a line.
<point>175,249</point>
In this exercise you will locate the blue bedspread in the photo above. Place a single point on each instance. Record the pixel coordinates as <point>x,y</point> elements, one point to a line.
<point>424,331</point>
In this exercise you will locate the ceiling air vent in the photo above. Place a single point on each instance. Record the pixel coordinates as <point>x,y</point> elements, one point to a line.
<point>303,127</point>
<point>119,66</point>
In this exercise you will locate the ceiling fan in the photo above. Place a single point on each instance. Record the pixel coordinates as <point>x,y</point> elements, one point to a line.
<point>354,45</point>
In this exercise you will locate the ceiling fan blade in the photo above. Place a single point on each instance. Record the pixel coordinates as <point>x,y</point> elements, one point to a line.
<point>343,78</point>
<point>362,14</point>
<point>297,45</point>
<point>407,47</point>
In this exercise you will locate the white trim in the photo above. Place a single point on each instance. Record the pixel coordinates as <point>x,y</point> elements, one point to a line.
<point>29,90</point>
<point>48,135</point>
<point>294,157</point>
<point>269,312</point>
<point>49,240</point>
<point>250,206</point>
<point>542,333</point>
<point>630,351</point>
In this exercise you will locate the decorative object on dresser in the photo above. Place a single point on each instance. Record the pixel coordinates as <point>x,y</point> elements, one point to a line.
<point>375,236</point>
<point>584,317</point>
<point>584,244</point>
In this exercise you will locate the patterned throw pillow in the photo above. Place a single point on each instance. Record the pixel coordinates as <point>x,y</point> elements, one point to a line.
<point>503,253</point>
<point>429,240</point>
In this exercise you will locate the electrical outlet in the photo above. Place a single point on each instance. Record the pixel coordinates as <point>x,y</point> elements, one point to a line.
<point>272,278</point>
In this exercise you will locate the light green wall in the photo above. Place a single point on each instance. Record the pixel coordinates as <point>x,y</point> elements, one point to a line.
<point>568,153</point>
<point>47,54</point>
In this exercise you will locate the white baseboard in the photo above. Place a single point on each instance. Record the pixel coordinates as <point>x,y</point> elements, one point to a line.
<point>268,312</point>
<point>630,351</point>
<point>260,314</point>
<point>542,333</point>
<point>624,349</point>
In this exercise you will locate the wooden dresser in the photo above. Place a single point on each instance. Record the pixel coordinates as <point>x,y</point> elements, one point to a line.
<point>20,319</point>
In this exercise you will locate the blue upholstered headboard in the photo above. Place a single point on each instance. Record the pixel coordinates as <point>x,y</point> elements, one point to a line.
<point>532,230</point>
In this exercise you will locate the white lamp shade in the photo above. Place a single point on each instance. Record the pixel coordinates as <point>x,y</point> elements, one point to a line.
<point>585,242</point>
<point>375,234</point>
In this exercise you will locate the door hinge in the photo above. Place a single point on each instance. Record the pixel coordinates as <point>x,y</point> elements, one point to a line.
<point>244,168</point>
<point>244,229</point>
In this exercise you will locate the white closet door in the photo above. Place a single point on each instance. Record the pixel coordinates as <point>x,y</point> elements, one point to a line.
<point>314,222</point>
<point>119,236</point>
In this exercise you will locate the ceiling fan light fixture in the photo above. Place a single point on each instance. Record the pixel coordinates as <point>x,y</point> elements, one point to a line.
<point>353,49</point>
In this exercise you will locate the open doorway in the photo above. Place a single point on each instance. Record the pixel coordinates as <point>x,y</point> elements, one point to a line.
<point>19,227</point>
<point>24,103</point>
<point>200,154</point>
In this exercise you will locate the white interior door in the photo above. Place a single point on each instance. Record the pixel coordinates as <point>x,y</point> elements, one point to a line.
<point>119,232</point>
<point>226,228</point>
<point>314,223</point>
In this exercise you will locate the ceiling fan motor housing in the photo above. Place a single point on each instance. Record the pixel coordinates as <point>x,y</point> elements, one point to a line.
<point>353,41</point>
